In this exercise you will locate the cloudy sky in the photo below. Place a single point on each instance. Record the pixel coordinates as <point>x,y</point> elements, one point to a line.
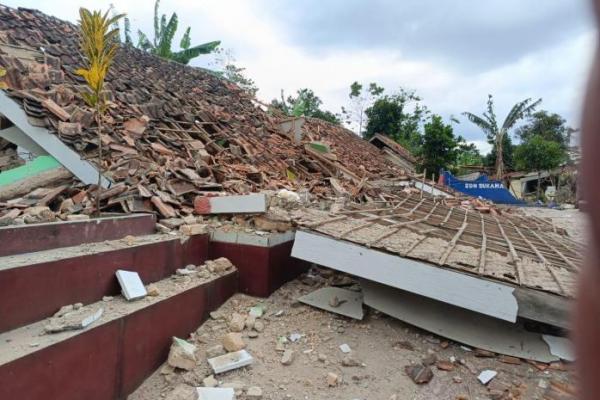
<point>453,53</point>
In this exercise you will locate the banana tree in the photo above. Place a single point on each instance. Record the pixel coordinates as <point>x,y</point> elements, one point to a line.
<point>164,32</point>
<point>488,124</point>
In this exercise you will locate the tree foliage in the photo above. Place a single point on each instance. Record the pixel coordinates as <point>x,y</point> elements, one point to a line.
<point>548,126</point>
<point>99,47</point>
<point>360,99</point>
<point>538,154</point>
<point>225,63</point>
<point>99,44</point>
<point>398,116</point>
<point>488,124</point>
<point>439,148</point>
<point>467,155</point>
<point>164,34</point>
<point>306,103</point>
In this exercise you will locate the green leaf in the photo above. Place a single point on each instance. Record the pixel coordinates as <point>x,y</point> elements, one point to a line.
<point>143,42</point>
<point>127,29</point>
<point>167,34</point>
<point>185,40</point>
<point>156,25</point>
<point>184,56</point>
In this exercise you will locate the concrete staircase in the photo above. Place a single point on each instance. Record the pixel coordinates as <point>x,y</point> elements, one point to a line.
<point>76,263</point>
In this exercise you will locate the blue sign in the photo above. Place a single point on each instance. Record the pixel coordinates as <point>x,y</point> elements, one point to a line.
<point>482,187</point>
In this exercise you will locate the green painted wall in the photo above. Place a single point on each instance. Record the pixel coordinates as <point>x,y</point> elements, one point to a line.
<point>32,168</point>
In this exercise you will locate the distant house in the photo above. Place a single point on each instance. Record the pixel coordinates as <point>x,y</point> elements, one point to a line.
<point>394,152</point>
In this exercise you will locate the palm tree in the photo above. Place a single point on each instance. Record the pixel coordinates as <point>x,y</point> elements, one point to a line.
<point>164,31</point>
<point>487,123</point>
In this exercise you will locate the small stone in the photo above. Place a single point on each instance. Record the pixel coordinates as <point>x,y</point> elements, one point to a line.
<point>233,342</point>
<point>252,334</point>
<point>349,361</point>
<point>250,321</point>
<point>107,298</point>
<point>322,357</point>
<point>152,290</point>
<point>215,315</point>
<point>64,310</point>
<point>457,379</point>
<point>484,353</point>
<point>210,381</point>
<point>77,306</point>
<point>166,369</point>
<point>419,373</point>
<point>288,357</point>
<point>254,392</point>
<point>444,344</point>
<point>259,326</point>
<point>237,322</point>
<point>332,379</point>
<point>429,360</point>
<point>215,351</point>
<point>444,365</point>
<point>181,354</point>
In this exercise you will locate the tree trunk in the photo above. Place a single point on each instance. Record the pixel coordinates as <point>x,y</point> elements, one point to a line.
<point>499,159</point>
<point>100,159</point>
<point>539,181</point>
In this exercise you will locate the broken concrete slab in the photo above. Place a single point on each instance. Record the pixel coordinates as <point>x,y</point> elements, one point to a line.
<point>68,319</point>
<point>457,324</point>
<point>486,376</point>
<point>230,361</point>
<point>349,303</point>
<point>207,393</point>
<point>132,286</point>
<point>560,347</point>
<point>454,288</point>
<point>182,354</point>
<point>244,204</point>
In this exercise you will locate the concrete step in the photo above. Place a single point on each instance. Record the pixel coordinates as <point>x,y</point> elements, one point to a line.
<point>36,237</point>
<point>111,357</point>
<point>35,285</point>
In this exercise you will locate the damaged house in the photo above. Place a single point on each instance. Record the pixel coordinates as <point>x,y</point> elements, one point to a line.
<point>243,201</point>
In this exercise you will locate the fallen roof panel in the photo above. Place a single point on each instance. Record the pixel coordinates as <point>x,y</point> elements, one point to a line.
<point>522,251</point>
<point>479,295</point>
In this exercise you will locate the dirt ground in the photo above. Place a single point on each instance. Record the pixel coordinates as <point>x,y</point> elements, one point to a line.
<point>381,347</point>
<point>574,221</point>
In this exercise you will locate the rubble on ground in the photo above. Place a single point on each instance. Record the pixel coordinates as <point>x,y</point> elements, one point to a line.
<point>440,368</point>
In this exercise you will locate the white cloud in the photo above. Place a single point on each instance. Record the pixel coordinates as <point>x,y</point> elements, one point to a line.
<point>556,72</point>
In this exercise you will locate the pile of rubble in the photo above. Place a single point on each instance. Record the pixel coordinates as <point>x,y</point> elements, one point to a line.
<point>172,132</point>
<point>281,348</point>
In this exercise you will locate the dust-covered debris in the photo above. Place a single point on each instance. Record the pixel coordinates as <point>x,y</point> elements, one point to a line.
<point>380,346</point>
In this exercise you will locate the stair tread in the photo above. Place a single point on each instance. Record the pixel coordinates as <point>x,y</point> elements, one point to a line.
<point>19,260</point>
<point>31,338</point>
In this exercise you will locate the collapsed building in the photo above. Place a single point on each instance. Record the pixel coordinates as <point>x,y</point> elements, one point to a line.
<point>180,140</point>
